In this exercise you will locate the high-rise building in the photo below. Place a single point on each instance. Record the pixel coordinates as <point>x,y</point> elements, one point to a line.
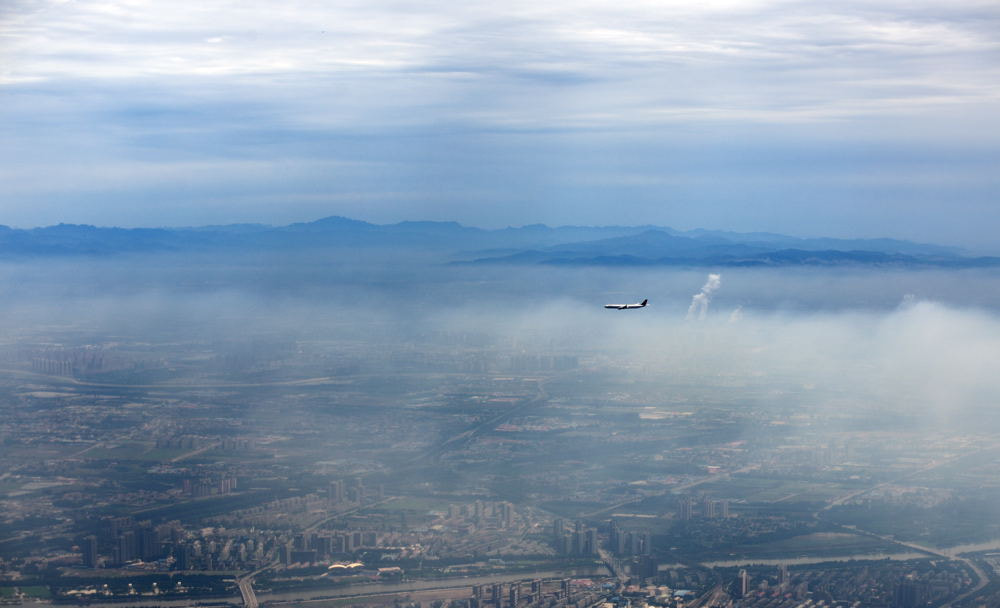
<point>120,524</point>
<point>149,544</point>
<point>89,550</point>
<point>514,595</point>
<point>590,546</point>
<point>305,556</point>
<point>565,544</point>
<point>908,594</point>
<point>558,527</point>
<point>506,514</point>
<point>226,485</point>
<point>335,493</point>
<point>708,508</point>
<point>182,553</point>
<point>324,545</point>
<point>356,490</point>
<point>634,543</point>
<point>686,507</point>
<point>126,550</point>
<point>647,567</point>
<point>744,582</point>
<point>647,543</point>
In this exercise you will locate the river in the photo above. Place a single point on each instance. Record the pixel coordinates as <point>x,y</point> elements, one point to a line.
<point>792,561</point>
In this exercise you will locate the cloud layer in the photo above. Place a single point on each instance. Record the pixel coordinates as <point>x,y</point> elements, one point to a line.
<point>746,115</point>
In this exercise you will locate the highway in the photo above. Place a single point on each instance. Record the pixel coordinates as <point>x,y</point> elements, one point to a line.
<point>983,578</point>
<point>246,590</point>
<point>717,596</point>
<point>613,565</point>
<point>672,490</point>
<point>484,426</point>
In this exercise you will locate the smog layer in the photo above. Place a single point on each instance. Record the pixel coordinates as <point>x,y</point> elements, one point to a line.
<point>298,413</point>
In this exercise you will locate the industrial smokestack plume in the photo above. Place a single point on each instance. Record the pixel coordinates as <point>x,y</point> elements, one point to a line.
<point>700,300</point>
<point>737,315</point>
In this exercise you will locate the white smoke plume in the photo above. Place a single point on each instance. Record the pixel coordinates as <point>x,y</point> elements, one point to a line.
<point>737,315</point>
<point>701,300</point>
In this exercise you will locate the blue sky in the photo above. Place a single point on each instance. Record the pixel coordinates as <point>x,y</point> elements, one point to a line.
<point>841,119</point>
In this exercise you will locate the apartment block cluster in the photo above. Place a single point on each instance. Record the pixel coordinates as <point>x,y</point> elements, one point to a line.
<point>340,495</point>
<point>128,541</point>
<point>706,508</point>
<point>892,584</point>
<point>199,488</point>
<point>353,490</point>
<point>312,548</point>
<point>499,514</point>
<point>576,541</point>
<point>208,552</point>
<point>226,549</point>
<point>124,543</point>
<point>535,594</point>
<point>624,543</point>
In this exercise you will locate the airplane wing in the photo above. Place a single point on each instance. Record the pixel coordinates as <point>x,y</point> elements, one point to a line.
<point>626,306</point>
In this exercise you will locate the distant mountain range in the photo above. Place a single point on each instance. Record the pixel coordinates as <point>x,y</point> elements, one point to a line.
<point>535,244</point>
<point>665,247</point>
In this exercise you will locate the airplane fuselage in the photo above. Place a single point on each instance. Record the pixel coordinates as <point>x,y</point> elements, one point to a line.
<point>626,306</point>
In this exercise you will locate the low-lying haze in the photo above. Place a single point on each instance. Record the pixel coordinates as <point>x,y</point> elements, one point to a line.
<point>917,342</point>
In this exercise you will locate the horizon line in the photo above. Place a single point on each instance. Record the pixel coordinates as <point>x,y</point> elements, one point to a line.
<point>658,227</point>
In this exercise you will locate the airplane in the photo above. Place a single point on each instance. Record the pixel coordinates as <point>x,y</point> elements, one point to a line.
<point>626,306</point>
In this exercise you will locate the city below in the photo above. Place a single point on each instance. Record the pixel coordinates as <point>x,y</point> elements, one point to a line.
<point>467,469</point>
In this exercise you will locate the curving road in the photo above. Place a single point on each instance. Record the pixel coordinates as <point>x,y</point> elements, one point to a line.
<point>246,590</point>
<point>983,579</point>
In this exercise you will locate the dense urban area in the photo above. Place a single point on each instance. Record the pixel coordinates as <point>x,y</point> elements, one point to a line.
<point>466,469</point>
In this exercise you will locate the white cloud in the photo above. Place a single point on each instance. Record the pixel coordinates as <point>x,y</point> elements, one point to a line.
<point>128,84</point>
<point>731,59</point>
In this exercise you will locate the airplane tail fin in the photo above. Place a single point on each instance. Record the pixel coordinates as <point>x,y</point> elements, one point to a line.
<point>644,302</point>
